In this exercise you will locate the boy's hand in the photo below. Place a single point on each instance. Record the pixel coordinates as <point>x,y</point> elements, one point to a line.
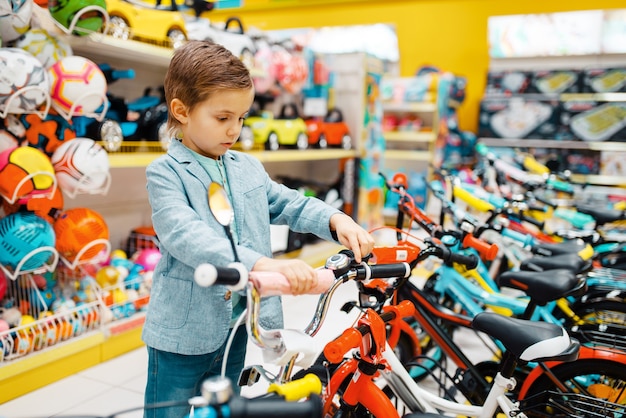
<point>300,275</point>
<point>352,235</point>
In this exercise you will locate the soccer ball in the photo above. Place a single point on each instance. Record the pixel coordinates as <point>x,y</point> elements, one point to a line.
<point>78,228</point>
<point>24,84</point>
<point>25,172</point>
<point>46,48</point>
<point>81,166</point>
<point>64,11</point>
<point>14,19</point>
<point>77,86</point>
<point>21,233</point>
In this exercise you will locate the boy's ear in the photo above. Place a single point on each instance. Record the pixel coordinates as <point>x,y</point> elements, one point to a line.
<point>179,110</point>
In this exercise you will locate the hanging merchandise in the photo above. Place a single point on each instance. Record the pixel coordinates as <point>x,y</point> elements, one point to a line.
<point>79,17</point>
<point>27,244</point>
<point>15,16</point>
<point>82,167</point>
<point>48,49</point>
<point>78,88</point>
<point>24,83</point>
<point>82,236</point>
<point>25,173</point>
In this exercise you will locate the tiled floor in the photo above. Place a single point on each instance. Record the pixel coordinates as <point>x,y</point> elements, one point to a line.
<point>118,384</point>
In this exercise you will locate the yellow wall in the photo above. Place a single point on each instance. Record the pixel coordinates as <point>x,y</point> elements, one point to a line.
<point>450,34</point>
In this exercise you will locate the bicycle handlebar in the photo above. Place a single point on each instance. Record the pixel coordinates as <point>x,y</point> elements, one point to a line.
<point>275,407</point>
<point>486,250</point>
<point>298,389</point>
<point>266,283</point>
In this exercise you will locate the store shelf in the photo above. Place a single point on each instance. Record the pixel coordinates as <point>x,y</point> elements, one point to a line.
<point>410,136</point>
<point>142,159</point>
<point>600,180</point>
<point>302,155</point>
<point>56,362</point>
<point>408,155</point>
<point>552,143</point>
<point>415,107</point>
<point>600,97</point>
<point>137,159</point>
<point>105,46</point>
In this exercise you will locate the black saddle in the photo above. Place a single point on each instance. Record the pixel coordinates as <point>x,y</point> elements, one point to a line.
<point>544,286</point>
<point>529,341</point>
<point>602,215</point>
<point>563,261</point>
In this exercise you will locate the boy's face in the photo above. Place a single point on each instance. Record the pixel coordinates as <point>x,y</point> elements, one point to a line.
<point>213,126</point>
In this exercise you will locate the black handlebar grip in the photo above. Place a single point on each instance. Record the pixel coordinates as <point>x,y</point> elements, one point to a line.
<point>385,271</point>
<point>468,260</point>
<point>531,220</point>
<point>207,275</point>
<point>275,407</point>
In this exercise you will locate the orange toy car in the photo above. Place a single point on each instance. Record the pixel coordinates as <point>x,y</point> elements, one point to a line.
<point>332,131</point>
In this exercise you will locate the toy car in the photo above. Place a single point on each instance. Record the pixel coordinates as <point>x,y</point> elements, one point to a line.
<point>235,40</point>
<point>331,131</point>
<point>288,129</point>
<point>140,119</point>
<point>134,19</point>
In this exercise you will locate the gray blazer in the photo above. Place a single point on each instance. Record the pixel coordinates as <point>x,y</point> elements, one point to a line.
<point>183,317</point>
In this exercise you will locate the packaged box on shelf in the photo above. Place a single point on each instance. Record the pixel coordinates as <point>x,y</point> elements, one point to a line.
<point>591,120</point>
<point>555,81</point>
<point>530,116</point>
<point>581,161</point>
<point>604,80</point>
<point>507,82</point>
<point>613,163</point>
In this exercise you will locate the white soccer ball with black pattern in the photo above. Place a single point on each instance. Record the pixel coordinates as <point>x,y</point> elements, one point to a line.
<point>24,84</point>
<point>15,18</point>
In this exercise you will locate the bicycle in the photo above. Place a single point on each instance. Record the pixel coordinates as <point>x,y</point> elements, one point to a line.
<point>351,389</point>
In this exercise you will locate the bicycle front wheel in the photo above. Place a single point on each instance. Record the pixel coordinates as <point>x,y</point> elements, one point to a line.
<point>596,388</point>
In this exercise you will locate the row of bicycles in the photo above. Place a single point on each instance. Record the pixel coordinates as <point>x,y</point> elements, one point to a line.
<point>548,304</point>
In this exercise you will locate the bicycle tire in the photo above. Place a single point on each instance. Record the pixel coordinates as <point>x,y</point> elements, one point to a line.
<point>589,377</point>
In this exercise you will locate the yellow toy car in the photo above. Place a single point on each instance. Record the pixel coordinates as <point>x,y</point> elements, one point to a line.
<point>272,132</point>
<point>134,19</point>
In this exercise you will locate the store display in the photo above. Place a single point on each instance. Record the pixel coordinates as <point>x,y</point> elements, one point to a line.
<point>604,122</point>
<point>77,86</point>
<point>42,45</point>
<point>270,132</point>
<point>82,166</point>
<point>158,26</point>
<point>79,17</point>
<point>329,131</point>
<point>82,234</point>
<point>24,83</point>
<point>25,173</point>
<point>604,80</point>
<point>519,117</point>
<point>14,19</point>
<point>27,242</point>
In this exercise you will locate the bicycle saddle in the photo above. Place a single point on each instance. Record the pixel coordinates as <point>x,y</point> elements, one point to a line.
<point>543,286</point>
<point>602,216</point>
<point>558,248</point>
<point>528,341</point>
<point>563,261</point>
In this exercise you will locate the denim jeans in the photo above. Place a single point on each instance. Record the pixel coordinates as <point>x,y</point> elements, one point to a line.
<point>178,377</point>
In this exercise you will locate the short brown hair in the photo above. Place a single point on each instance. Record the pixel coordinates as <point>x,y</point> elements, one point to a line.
<point>199,69</point>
